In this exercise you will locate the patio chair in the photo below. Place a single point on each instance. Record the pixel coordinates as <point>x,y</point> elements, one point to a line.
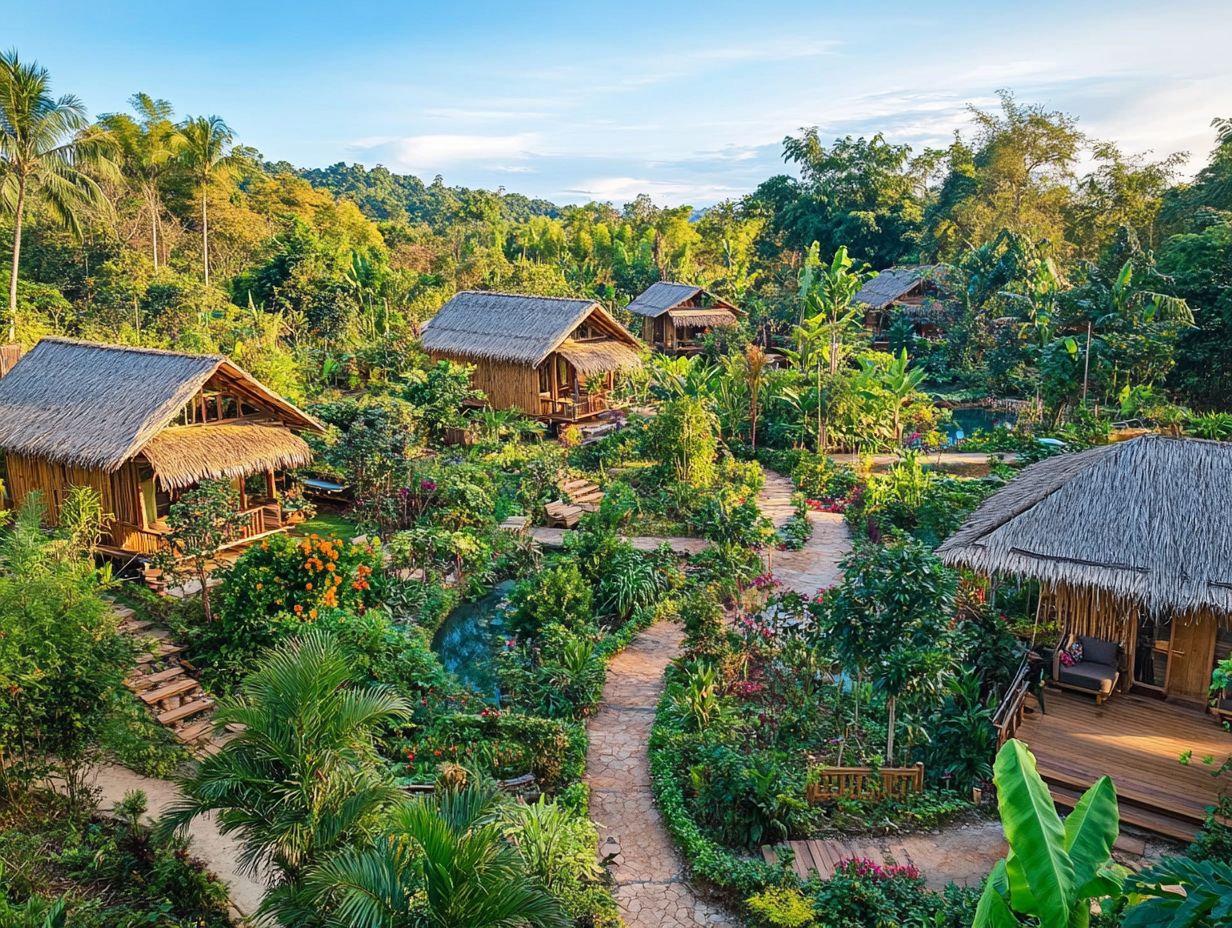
<point>1096,674</point>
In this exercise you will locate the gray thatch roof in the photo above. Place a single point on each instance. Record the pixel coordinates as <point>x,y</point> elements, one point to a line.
<point>96,406</point>
<point>182,456</point>
<point>512,327</point>
<point>891,284</point>
<point>664,295</point>
<point>1145,519</point>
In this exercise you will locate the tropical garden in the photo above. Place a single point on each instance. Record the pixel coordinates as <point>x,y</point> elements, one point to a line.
<point>404,685</point>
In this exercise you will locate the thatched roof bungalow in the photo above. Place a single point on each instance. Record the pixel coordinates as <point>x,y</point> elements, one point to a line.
<point>551,357</point>
<point>917,291</point>
<point>675,316</point>
<point>1131,544</point>
<point>141,425</point>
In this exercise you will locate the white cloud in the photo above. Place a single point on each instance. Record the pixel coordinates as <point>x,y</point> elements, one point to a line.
<point>429,153</point>
<point>670,193</point>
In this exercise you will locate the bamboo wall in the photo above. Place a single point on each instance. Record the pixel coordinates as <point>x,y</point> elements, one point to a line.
<point>506,385</point>
<point>119,493</point>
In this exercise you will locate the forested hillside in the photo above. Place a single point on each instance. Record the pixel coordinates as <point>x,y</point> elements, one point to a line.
<point>162,228</point>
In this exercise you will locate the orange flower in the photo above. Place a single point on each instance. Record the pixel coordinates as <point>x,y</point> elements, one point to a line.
<point>312,613</point>
<point>260,586</point>
<point>330,567</point>
<point>307,586</point>
<point>298,608</point>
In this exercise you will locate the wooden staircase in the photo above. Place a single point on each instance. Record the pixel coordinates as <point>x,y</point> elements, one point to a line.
<point>1165,813</point>
<point>583,496</point>
<point>166,684</point>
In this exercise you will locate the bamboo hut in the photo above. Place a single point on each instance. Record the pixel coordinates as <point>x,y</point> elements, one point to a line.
<point>676,316</point>
<point>140,426</point>
<point>551,357</point>
<point>1131,544</point>
<point>917,293</point>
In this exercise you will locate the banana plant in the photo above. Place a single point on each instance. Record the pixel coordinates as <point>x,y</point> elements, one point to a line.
<point>1054,869</point>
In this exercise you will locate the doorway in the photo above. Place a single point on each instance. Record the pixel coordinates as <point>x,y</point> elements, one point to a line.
<point>1173,656</point>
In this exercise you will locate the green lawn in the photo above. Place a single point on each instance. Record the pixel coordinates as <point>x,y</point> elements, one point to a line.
<point>329,525</point>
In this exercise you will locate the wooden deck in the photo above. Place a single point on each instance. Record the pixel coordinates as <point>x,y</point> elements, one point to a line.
<point>1138,741</point>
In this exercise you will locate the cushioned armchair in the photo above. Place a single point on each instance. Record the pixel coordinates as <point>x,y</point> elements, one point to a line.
<point>1096,674</point>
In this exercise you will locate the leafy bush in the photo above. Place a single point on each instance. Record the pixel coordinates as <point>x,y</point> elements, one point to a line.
<point>277,587</point>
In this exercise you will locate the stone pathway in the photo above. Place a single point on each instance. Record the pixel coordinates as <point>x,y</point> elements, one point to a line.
<point>815,566</point>
<point>219,852</point>
<point>651,887</point>
<point>555,538</point>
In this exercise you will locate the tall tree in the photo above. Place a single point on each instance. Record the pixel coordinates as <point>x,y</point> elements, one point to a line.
<point>149,145</point>
<point>45,144</point>
<point>207,152</point>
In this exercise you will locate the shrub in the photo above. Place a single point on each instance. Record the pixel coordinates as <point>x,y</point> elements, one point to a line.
<point>555,594</point>
<point>684,437</point>
<point>278,586</point>
<point>781,907</point>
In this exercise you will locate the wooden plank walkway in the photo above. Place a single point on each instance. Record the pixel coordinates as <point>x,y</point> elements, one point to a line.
<point>1139,742</point>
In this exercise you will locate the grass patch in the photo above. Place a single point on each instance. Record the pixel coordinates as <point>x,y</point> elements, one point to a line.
<point>328,525</point>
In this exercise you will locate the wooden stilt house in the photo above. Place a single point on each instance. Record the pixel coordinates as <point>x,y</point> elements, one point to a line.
<point>676,316</point>
<point>141,426</point>
<point>550,357</point>
<point>915,293</point>
<point>1131,546</point>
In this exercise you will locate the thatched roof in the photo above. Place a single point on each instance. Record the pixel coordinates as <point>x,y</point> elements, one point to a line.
<point>96,406</point>
<point>664,295</point>
<point>187,454</point>
<point>714,318</point>
<point>1145,520</point>
<point>598,356</point>
<point>511,327</point>
<point>892,284</point>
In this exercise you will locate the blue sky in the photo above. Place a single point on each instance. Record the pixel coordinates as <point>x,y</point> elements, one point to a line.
<point>686,101</point>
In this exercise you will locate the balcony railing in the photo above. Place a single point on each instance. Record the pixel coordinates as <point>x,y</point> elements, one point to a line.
<point>570,409</point>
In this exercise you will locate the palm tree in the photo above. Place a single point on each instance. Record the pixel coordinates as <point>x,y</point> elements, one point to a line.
<point>900,382</point>
<point>45,142</point>
<point>207,151</point>
<point>443,861</point>
<point>149,146</point>
<point>302,778</point>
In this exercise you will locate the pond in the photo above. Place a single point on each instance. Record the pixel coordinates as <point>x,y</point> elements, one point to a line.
<point>967,420</point>
<point>468,640</point>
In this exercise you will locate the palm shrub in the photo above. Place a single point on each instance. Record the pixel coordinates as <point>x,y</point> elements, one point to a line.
<point>302,779</point>
<point>1205,896</point>
<point>439,862</point>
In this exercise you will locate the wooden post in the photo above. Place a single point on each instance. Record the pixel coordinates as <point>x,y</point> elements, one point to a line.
<point>1086,364</point>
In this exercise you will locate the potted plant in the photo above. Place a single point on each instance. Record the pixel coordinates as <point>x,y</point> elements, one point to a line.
<point>295,506</point>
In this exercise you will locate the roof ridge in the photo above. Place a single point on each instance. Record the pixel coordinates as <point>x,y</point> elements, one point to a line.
<point>135,349</point>
<point>529,296</point>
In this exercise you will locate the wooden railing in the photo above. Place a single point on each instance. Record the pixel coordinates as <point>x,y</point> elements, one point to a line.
<point>565,407</point>
<point>136,539</point>
<point>1009,714</point>
<point>831,783</point>
<point>256,521</point>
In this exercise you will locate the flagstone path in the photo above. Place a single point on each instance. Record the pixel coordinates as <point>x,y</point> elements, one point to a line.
<point>652,887</point>
<point>814,566</point>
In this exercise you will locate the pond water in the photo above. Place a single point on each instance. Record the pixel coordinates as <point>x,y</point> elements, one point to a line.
<point>967,420</point>
<point>469,638</point>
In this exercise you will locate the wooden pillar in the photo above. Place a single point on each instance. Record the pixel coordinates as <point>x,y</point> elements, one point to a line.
<point>271,488</point>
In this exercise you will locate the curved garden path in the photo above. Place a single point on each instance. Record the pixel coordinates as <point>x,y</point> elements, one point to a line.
<point>814,566</point>
<point>651,885</point>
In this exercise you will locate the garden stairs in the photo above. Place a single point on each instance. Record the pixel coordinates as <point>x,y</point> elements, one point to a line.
<point>583,497</point>
<point>164,681</point>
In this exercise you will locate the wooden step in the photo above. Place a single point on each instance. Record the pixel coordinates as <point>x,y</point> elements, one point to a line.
<point>1155,822</point>
<point>166,650</point>
<point>187,710</point>
<point>133,626</point>
<point>197,730</point>
<point>147,680</point>
<point>178,688</point>
<point>1164,800</point>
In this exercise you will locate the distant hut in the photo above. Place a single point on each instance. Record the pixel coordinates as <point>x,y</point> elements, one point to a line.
<point>1132,546</point>
<point>676,316</point>
<point>551,357</point>
<point>915,292</point>
<point>140,426</point>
